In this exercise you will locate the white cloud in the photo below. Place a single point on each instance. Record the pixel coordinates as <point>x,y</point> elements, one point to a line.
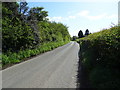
<point>97,17</point>
<point>85,14</point>
<point>57,19</point>
<point>71,17</point>
<point>112,16</point>
<point>60,18</point>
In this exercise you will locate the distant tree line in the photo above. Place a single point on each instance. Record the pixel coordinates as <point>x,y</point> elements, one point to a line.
<point>27,28</point>
<point>80,34</point>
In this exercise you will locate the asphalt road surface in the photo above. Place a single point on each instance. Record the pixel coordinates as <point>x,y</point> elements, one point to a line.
<point>53,69</point>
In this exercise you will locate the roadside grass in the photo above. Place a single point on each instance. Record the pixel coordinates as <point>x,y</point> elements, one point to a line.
<point>0,61</point>
<point>11,58</point>
<point>99,54</point>
<point>0,64</point>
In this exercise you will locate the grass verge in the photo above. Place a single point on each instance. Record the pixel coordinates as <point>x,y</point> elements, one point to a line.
<point>11,58</point>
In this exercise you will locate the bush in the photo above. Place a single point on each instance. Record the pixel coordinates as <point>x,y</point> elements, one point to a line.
<point>11,59</point>
<point>100,55</point>
<point>101,77</point>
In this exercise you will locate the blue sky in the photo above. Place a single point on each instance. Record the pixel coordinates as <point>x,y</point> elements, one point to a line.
<point>82,15</point>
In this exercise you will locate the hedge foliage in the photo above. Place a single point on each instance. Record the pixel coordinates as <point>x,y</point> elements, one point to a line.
<point>19,32</point>
<point>99,52</point>
<point>27,32</point>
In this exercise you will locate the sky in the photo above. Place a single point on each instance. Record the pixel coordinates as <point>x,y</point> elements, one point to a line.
<point>81,15</point>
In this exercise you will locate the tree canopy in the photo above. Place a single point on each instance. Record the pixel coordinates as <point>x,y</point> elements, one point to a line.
<point>80,34</point>
<point>87,32</point>
<point>24,27</point>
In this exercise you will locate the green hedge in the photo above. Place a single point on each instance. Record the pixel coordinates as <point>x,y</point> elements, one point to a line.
<point>99,52</point>
<point>12,58</point>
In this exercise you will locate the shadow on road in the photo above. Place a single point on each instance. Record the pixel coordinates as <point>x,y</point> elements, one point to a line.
<point>82,77</point>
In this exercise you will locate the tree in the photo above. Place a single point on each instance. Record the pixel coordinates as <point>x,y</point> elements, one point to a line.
<point>80,34</point>
<point>10,6</point>
<point>14,30</point>
<point>37,13</point>
<point>23,7</point>
<point>22,29</point>
<point>74,38</point>
<point>23,11</point>
<point>87,32</point>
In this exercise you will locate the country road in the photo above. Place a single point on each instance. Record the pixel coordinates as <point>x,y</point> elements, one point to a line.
<point>53,69</point>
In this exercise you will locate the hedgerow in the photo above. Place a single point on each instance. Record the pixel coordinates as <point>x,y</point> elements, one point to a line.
<point>100,55</point>
<point>28,32</point>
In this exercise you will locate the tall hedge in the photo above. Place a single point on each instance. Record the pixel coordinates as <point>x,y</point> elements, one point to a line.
<point>100,55</point>
<point>27,32</point>
<point>19,32</point>
<point>15,33</point>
